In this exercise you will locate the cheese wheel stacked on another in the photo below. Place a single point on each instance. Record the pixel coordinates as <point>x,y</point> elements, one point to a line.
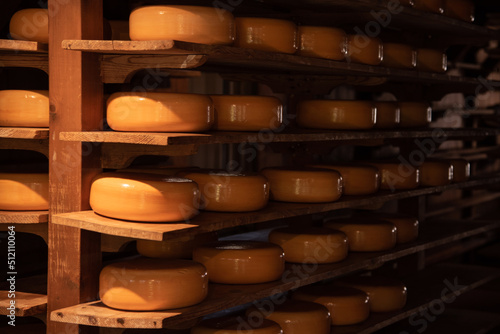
<point>406,225</point>
<point>415,114</point>
<point>24,191</point>
<point>460,9</point>
<point>357,179</point>
<point>174,248</point>
<point>236,325</point>
<point>322,42</point>
<point>461,170</point>
<point>153,284</point>
<point>388,114</point>
<point>436,173</point>
<point>24,108</point>
<point>430,60</point>
<point>396,175</point>
<point>365,50</point>
<point>435,6</point>
<point>399,56</point>
<point>31,24</point>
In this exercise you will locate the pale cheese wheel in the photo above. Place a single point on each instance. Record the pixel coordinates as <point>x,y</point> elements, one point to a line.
<point>24,191</point>
<point>195,24</point>
<point>236,325</point>
<point>336,114</point>
<point>322,42</point>
<point>266,34</point>
<point>173,248</point>
<point>24,108</point>
<point>396,175</point>
<point>310,244</point>
<point>365,50</point>
<point>241,262</point>
<point>435,173</point>
<point>415,114</point>
<point>144,197</point>
<point>460,9</point>
<point>357,179</point>
<point>247,113</point>
<point>435,6</point>
<point>399,56</point>
<point>153,284</point>
<point>406,225</point>
<point>31,24</point>
<point>388,115</point>
<point>430,60</point>
<point>304,185</point>
<point>160,112</point>
<point>461,170</point>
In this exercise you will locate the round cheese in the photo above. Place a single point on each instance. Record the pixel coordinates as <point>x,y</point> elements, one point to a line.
<point>195,24</point>
<point>357,179</point>
<point>460,9</point>
<point>365,50</point>
<point>153,284</point>
<point>432,60</point>
<point>24,108</point>
<point>174,248</point>
<point>347,306</point>
<point>406,225</point>
<point>266,34</point>
<point>247,113</point>
<point>322,42</point>
<point>31,24</point>
<point>399,56</point>
<point>435,6</point>
<point>461,170</point>
<point>310,244</point>
<point>388,115</point>
<point>304,186</point>
<point>241,262</point>
<point>336,115</point>
<point>160,112</point>
<point>396,175</point>
<point>415,114</point>
<point>24,191</point>
<point>435,173</point>
<point>144,197</point>
<point>236,325</point>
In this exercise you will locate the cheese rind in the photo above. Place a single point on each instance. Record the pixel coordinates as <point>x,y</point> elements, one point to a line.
<point>322,42</point>
<point>236,325</point>
<point>415,114</point>
<point>31,24</point>
<point>432,60</point>
<point>397,175</point>
<point>388,115</point>
<point>399,56</point>
<point>407,226</point>
<point>436,173</point>
<point>173,248</point>
<point>24,191</point>
<point>461,170</point>
<point>357,179</point>
<point>365,50</point>
<point>24,108</point>
<point>460,9</point>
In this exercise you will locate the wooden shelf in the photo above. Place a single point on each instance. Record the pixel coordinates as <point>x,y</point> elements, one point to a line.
<point>27,304</point>
<point>24,217</point>
<point>24,133</point>
<point>22,46</point>
<point>457,205</point>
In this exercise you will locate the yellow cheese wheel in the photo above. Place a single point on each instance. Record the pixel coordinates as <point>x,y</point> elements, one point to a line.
<point>435,173</point>
<point>406,225</point>
<point>461,170</point>
<point>310,244</point>
<point>24,191</point>
<point>357,179</point>
<point>430,60</point>
<point>435,6</point>
<point>230,192</point>
<point>366,234</point>
<point>195,24</point>
<point>153,284</point>
<point>322,42</point>
<point>304,186</point>
<point>241,262</point>
<point>415,114</point>
<point>399,56</point>
<point>396,175</point>
<point>266,34</point>
<point>174,248</point>
<point>365,50</point>
<point>336,115</point>
<point>30,24</point>
<point>460,9</point>
<point>236,325</point>
<point>347,306</point>
<point>247,113</point>
<point>295,316</point>
<point>388,115</point>
<point>144,197</point>
<point>24,108</point>
<point>159,112</point>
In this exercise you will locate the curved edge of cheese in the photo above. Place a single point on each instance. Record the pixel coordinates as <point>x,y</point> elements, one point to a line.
<point>461,170</point>
<point>322,42</point>
<point>397,175</point>
<point>24,108</point>
<point>236,325</point>
<point>31,24</point>
<point>24,191</point>
<point>365,50</point>
<point>407,226</point>
<point>357,179</point>
<point>399,56</point>
<point>415,114</point>
<point>173,248</point>
<point>460,9</point>
<point>434,6</point>
<point>388,114</point>
<point>436,173</point>
<point>432,60</point>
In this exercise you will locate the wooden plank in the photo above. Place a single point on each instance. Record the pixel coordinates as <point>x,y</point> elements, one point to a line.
<point>27,304</point>
<point>23,46</point>
<point>24,133</point>
<point>24,217</point>
<point>32,60</point>
<point>457,205</point>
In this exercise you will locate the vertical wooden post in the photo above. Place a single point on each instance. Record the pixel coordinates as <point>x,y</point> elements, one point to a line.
<point>75,90</point>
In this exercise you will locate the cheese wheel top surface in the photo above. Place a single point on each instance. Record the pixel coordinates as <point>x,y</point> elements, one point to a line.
<point>357,179</point>
<point>396,175</point>
<point>388,114</point>
<point>461,170</point>
<point>174,248</point>
<point>31,24</point>
<point>365,50</point>
<point>236,325</point>
<point>322,42</point>
<point>399,56</point>
<point>436,173</point>
<point>24,191</point>
<point>432,60</point>
<point>24,108</point>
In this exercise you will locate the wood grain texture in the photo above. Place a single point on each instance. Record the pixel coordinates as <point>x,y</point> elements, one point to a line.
<point>32,60</point>
<point>23,46</point>
<point>24,133</point>
<point>27,304</point>
<point>24,217</point>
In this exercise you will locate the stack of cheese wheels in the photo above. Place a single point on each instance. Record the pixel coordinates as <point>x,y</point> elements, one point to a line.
<point>435,6</point>
<point>310,244</point>
<point>436,173</point>
<point>357,179</point>
<point>30,24</point>
<point>365,50</point>
<point>386,294</point>
<point>399,56</point>
<point>144,197</point>
<point>174,248</point>
<point>247,113</point>
<point>415,114</point>
<point>322,42</point>
<point>431,60</point>
<point>347,306</point>
<point>304,185</point>
<point>388,114</point>
<point>266,34</point>
<point>460,9</point>
<point>24,191</point>
<point>366,234</point>
<point>230,192</point>
<point>461,170</point>
<point>241,262</point>
<point>195,24</point>
<point>396,175</point>
<point>406,225</point>
<point>24,108</point>
<point>236,325</point>
<point>296,316</point>
<point>336,114</point>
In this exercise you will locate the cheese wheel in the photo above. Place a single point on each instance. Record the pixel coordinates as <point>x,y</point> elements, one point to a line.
<point>304,186</point>
<point>357,179</point>
<point>24,191</point>
<point>230,192</point>
<point>24,108</point>
<point>397,176</point>
<point>365,50</point>
<point>241,262</point>
<point>310,244</point>
<point>366,235</point>
<point>406,225</point>
<point>347,306</point>
<point>461,170</point>
<point>336,115</point>
<point>153,284</point>
<point>144,197</point>
<point>295,316</point>
<point>195,24</point>
<point>432,60</point>
<point>388,115</point>
<point>266,34</point>
<point>159,112</point>
<point>435,173</point>
<point>460,9</point>
<point>173,248</point>
<point>30,24</point>
<point>322,42</point>
<point>236,325</point>
<point>247,113</point>
<point>415,114</point>
<point>386,294</point>
<point>399,56</point>
<point>435,6</point>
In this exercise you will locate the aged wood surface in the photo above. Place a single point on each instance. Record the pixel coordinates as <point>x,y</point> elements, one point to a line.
<point>22,46</point>
<point>24,217</point>
<point>27,304</point>
<point>24,133</point>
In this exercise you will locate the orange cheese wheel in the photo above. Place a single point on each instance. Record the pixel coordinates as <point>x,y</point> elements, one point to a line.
<point>415,114</point>
<point>144,197</point>
<point>399,56</point>
<point>160,112</point>
<point>24,108</point>
<point>304,186</point>
<point>310,244</point>
<point>236,325</point>
<point>430,60</point>
<point>435,6</point>
<point>347,306</point>
<point>295,316</point>
<point>30,24</point>
<point>266,34</point>
<point>406,225</point>
<point>322,42</point>
<point>460,9</point>
<point>365,50</point>
<point>366,235</point>
<point>241,262</point>
<point>461,170</point>
<point>153,284</point>
<point>247,113</point>
<point>173,248</point>
<point>24,191</point>
<point>388,115</point>
<point>357,179</point>
<point>396,175</point>
<point>195,24</point>
<point>336,115</point>
<point>435,173</point>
